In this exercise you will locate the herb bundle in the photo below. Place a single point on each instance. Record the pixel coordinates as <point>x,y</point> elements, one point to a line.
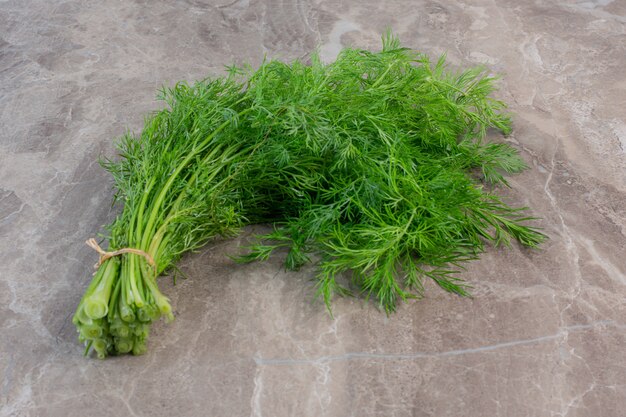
<point>375,166</point>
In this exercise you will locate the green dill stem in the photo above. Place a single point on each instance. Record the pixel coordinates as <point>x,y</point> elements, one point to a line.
<point>158,246</point>
<point>156,240</point>
<point>114,296</point>
<point>126,313</point>
<point>129,269</point>
<point>96,305</point>
<point>129,231</point>
<point>139,347</point>
<point>382,76</point>
<point>123,345</point>
<point>141,331</point>
<point>132,278</point>
<point>100,346</point>
<point>161,301</point>
<point>80,316</point>
<point>91,331</point>
<point>142,206</point>
<point>120,329</point>
<point>139,281</point>
<point>126,282</point>
<point>143,316</point>
<point>88,347</point>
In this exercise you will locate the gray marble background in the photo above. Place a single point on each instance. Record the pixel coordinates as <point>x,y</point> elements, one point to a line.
<point>543,335</point>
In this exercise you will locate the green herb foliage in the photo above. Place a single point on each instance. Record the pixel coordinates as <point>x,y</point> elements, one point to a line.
<point>375,166</point>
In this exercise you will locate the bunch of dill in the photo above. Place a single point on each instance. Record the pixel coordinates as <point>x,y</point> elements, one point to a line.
<point>374,166</point>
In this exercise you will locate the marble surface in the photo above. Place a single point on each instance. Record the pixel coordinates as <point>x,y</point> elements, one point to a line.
<point>543,335</point>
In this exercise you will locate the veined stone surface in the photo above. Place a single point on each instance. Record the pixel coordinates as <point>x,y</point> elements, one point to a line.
<point>543,335</point>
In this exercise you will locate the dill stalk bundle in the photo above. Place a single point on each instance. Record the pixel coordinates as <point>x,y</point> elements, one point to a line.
<point>375,167</point>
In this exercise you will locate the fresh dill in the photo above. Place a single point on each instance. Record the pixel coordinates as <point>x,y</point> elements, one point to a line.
<point>375,166</point>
